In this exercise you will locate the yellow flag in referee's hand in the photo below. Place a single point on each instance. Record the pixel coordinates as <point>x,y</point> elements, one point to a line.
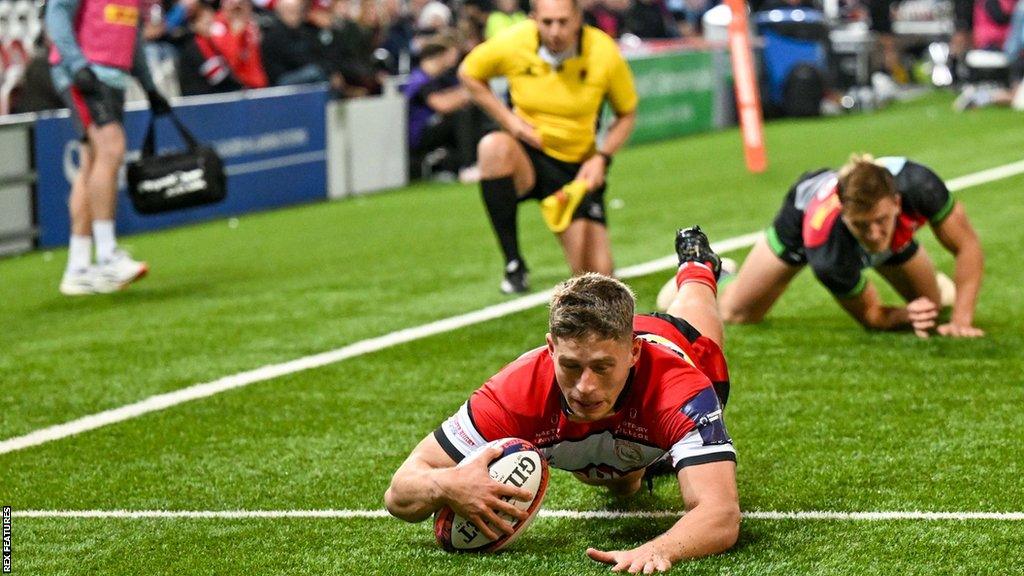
<point>558,208</point>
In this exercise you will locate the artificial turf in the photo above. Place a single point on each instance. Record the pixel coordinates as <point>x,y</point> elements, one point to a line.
<point>825,416</point>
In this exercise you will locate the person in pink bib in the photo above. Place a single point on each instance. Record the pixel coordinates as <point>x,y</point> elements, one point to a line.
<point>96,46</point>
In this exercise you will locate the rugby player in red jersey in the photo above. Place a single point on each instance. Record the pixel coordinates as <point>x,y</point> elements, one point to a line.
<point>865,215</point>
<point>609,395</point>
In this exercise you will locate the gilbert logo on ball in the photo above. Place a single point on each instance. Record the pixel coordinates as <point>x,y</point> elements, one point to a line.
<point>520,464</point>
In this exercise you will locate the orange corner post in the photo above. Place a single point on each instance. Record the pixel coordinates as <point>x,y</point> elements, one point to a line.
<point>748,100</point>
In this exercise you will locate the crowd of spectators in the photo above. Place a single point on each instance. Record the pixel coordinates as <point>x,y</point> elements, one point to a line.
<point>356,46</point>
<point>226,45</point>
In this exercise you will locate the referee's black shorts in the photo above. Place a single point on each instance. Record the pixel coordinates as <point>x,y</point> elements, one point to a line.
<point>552,174</point>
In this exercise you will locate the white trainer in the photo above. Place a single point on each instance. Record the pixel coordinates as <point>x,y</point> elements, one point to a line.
<point>120,270</point>
<point>79,282</point>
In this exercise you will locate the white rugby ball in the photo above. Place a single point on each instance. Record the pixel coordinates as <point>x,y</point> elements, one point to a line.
<point>519,464</point>
<point>947,290</point>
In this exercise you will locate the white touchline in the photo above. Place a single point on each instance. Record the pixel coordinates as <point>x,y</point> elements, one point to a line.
<point>560,514</point>
<point>197,391</point>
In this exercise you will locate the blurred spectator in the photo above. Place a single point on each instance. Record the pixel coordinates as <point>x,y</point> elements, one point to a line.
<point>37,92</point>
<point>202,69</point>
<point>164,20</point>
<point>401,27</point>
<point>319,14</point>
<point>991,94</point>
<point>236,35</point>
<point>434,18</point>
<point>472,22</point>
<point>441,114</point>
<point>288,52</point>
<point>992,23</point>
<point>506,15</point>
<point>408,27</point>
<point>881,25</point>
<point>963,22</point>
<point>689,15</point>
<point>1014,49</point>
<point>346,49</point>
<point>162,24</point>
<point>649,19</point>
<point>606,15</point>
<point>470,31</point>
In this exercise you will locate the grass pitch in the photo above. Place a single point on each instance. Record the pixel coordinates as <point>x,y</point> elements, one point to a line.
<point>824,415</point>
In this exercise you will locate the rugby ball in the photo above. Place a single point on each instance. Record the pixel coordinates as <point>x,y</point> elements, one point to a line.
<point>519,464</point>
<point>947,290</point>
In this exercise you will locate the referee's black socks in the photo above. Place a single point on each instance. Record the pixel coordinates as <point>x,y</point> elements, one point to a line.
<point>501,202</point>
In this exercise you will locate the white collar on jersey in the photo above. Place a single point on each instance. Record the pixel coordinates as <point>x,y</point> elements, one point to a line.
<point>556,59</point>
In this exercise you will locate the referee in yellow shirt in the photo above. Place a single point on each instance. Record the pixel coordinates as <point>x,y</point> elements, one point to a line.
<point>559,73</point>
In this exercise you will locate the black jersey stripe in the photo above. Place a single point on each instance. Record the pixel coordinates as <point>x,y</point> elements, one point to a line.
<point>689,332</point>
<point>447,445</point>
<point>705,459</point>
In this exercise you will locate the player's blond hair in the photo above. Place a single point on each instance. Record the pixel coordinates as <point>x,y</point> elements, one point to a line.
<point>592,304</point>
<point>863,183</point>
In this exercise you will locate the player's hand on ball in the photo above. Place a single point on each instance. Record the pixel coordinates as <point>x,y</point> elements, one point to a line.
<point>646,559</point>
<point>472,494</point>
<point>954,330</point>
<point>922,313</point>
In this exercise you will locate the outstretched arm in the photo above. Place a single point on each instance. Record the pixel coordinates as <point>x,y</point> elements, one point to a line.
<point>429,479</point>
<point>959,237</point>
<point>867,308</point>
<point>710,525</point>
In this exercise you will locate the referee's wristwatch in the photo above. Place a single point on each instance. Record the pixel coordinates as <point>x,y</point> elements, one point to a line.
<point>607,159</point>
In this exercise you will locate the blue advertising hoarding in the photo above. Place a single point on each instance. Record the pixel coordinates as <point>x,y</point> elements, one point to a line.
<point>273,144</point>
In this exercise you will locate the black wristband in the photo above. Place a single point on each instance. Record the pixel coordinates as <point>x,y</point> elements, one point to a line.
<point>607,159</point>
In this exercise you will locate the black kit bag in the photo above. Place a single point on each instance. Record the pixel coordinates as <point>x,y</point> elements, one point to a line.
<point>165,182</point>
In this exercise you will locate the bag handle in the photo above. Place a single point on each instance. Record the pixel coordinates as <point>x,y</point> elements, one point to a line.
<point>149,144</point>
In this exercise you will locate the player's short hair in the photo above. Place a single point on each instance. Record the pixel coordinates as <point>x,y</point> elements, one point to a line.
<point>592,304</point>
<point>575,5</point>
<point>863,183</point>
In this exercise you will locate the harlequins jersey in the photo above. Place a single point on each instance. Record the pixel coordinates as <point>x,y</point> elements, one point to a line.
<point>808,229</point>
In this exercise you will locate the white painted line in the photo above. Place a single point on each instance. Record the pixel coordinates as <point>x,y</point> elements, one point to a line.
<point>197,391</point>
<point>671,261</point>
<point>274,163</point>
<point>560,514</point>
<point>986,176</point>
